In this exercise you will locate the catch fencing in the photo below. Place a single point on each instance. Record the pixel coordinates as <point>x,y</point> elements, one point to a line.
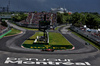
<point>4,31</point>
<point>86,34</point>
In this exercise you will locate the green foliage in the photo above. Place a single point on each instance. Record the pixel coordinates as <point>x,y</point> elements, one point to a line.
<point>19,17</point>
<point>63,18</point>
<point>55,42</point>
<point>78,19</point>
<point>57,39</point>
<point>13,32</point>
<point>30,28</point>
<point>4,23</point>
<point>35,11</point>
<point>59,18</point>
<point>3,20</point>
<point>92,20</point>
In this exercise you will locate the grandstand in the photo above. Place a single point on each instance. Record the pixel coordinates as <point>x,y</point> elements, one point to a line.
<point>34,18</point>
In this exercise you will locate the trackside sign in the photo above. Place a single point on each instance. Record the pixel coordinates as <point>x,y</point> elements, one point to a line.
<point>44,61</point>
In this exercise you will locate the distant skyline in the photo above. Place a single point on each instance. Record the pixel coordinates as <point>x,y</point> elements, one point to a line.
<point>46,5</point>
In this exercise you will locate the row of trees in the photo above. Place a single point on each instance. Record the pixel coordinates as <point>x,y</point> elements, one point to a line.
<point>92,20</point>
<point>3,23</point>
<point>63,18</point>
<point>19,17</point>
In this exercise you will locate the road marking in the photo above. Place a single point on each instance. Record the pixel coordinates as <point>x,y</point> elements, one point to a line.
<point>43,61</point>
<point>87,63</point>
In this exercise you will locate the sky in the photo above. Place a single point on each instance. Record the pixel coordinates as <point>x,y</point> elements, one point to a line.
<point>46,5</point>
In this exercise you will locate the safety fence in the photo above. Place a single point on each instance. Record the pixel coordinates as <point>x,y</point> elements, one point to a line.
<point>27,25</point>
<point>42,46</point>
<point>86,34</point>
<point>4,32</point>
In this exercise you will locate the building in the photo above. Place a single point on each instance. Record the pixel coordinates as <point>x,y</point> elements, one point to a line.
<point>59,9</point>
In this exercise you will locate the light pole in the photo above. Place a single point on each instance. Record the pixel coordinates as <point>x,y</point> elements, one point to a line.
<point>43,26</point>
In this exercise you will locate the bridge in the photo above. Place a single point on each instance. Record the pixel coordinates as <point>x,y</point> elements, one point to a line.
<point>5,16</point>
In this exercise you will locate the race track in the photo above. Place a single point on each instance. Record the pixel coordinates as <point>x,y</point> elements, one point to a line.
<point>11,53</point>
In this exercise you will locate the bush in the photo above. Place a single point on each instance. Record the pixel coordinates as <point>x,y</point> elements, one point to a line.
<point>4,24</point>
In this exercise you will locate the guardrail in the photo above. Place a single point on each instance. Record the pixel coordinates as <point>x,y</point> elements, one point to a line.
<point>26,25</point>
<point>86,34</point>
<point>4,32</point>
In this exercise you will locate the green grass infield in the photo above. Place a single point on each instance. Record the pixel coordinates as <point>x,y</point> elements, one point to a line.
<point>56,41</point>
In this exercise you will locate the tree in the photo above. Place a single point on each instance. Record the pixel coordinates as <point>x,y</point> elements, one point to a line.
<point>4,24</point>
<point>19,17</point>
<point>59,18</point>
<point>77,19</point>
<point>92,21</point>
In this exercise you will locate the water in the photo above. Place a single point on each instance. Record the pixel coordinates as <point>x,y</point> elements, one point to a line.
<point>46,5</point>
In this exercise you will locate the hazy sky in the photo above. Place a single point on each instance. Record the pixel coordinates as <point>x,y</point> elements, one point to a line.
<point>42,5</point>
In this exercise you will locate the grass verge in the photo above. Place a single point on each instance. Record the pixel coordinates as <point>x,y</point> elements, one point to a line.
<point>30,29</point>
<point>57,39</point>
<point>13,32</point>
<point>59,27</point>
<point>5,34</point>
<point>57,42</point>
<point>36,34</point>
<point>86,39</point>
<point>32,38</point>
<point>28,42</point>
<point>26,27</point>
<point>54,38</point>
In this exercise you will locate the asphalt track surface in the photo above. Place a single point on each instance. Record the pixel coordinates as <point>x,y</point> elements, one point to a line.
<point>11,47</point>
